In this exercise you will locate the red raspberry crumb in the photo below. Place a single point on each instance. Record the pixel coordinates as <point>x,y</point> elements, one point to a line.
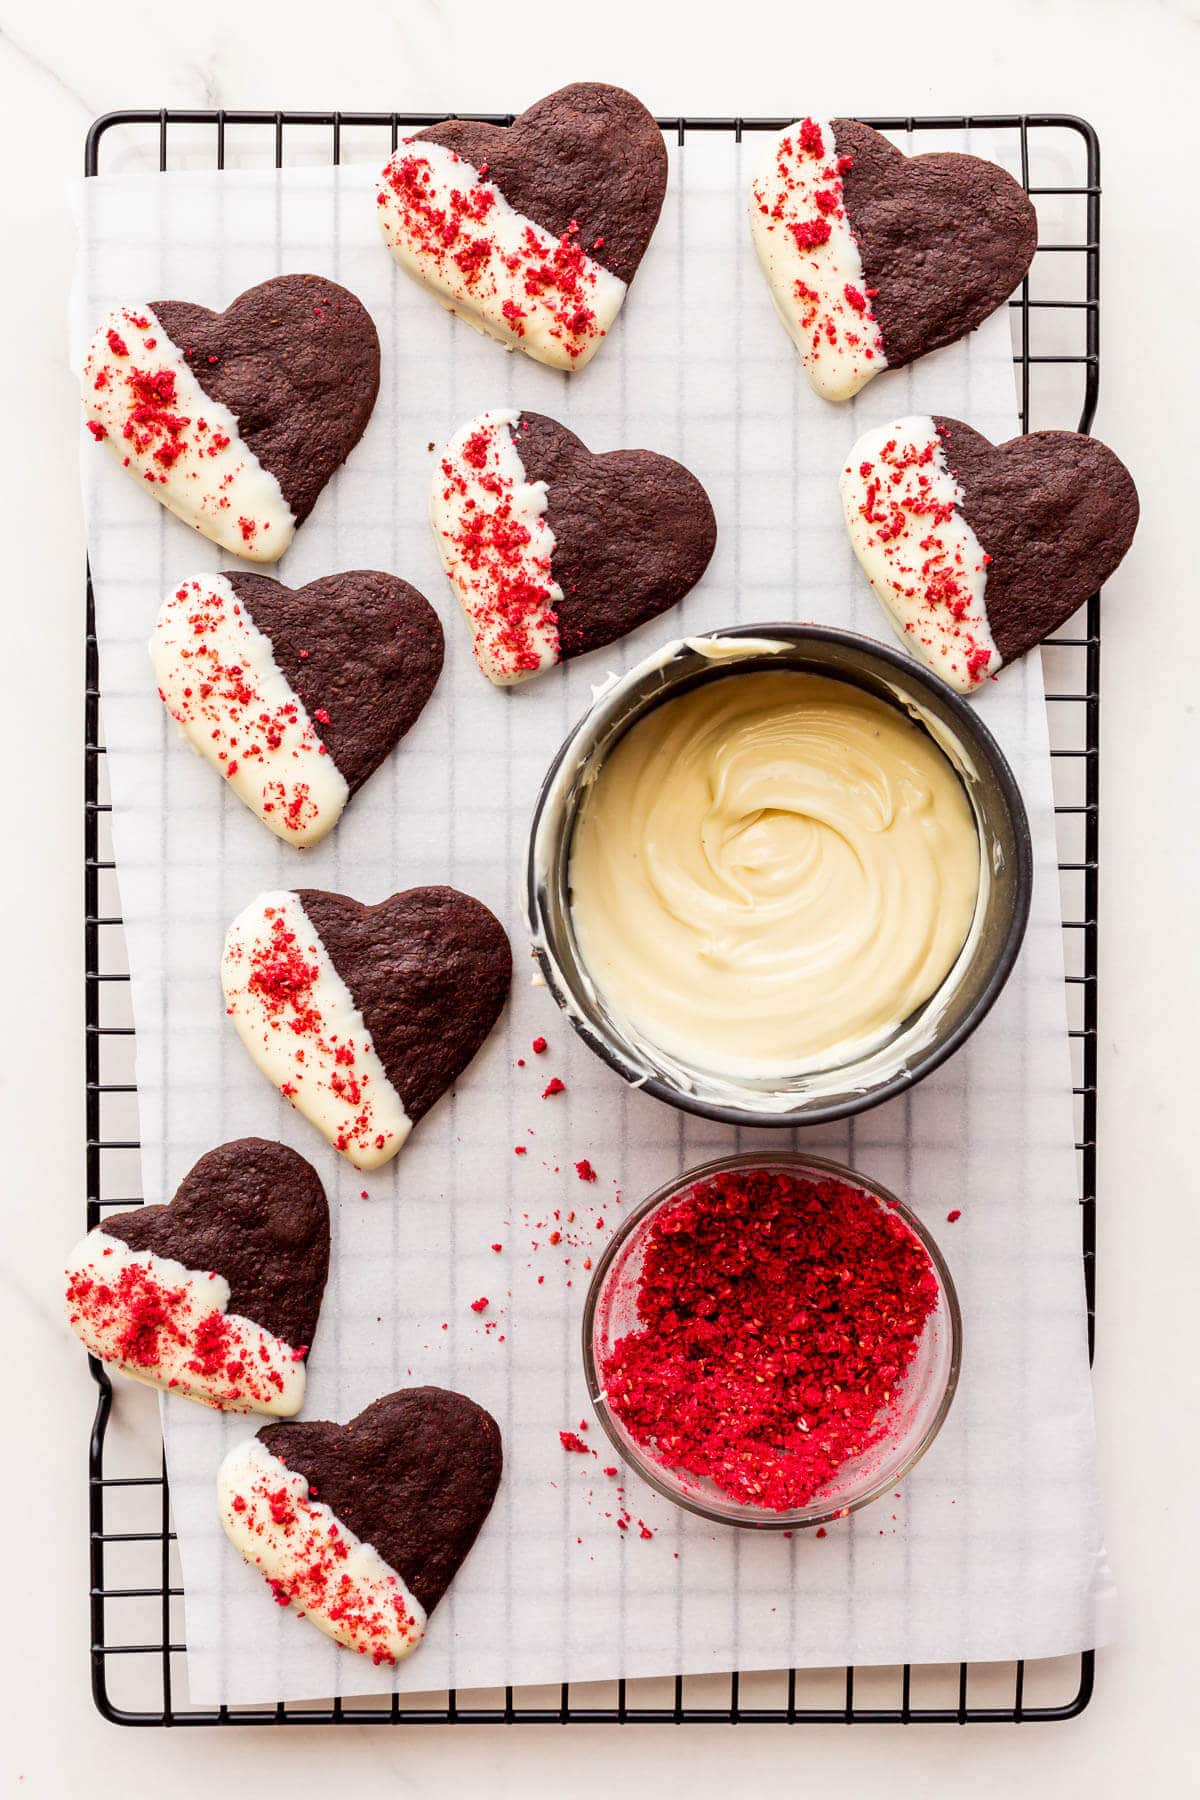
<point>833,1291</point>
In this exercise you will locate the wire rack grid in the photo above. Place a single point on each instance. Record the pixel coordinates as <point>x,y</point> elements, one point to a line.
<point>135,1589</point>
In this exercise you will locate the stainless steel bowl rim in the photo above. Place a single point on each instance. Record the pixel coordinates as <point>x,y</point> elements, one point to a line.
<point>752,641</point>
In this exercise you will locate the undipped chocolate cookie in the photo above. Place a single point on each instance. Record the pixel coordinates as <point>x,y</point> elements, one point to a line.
<point>979,550</point>
<point>553,551</point>
<point>236,420</point>
<point>216,1295</point>
<point>874,258</point>
<point>296,695</point>
<point>532,231</point>
<point>363,1526</point>
<point>363,1016</point>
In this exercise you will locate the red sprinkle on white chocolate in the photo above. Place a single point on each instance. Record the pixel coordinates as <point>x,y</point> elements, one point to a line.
<point>311,1561</point>
<point>903,512</point>
<point>501,272</point>
<point>218,678</point>
<point>143,401</point>
<point>299,1021</point>
<point>489,524</point>
<point>810,257</point>
<point>168,1325</point>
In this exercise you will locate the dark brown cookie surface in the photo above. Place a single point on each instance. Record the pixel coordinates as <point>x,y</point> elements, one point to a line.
<point>553,551</point>
<point>633,531</point>
<point>944,238</point>
<point>362,650</point>
<point>588,158</point>
<point>978,551</point>
<point>1055,513</point>
<point>256,1213</point>
<point>429,969</point>
<point>296,360</point>
<point>414,1474</point>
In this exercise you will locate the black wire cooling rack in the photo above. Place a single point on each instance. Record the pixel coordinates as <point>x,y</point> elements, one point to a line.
<point>135,1590</point>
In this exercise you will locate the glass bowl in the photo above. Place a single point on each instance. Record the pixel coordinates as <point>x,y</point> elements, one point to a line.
<point>915,1416</point>
<point>929,1035</point>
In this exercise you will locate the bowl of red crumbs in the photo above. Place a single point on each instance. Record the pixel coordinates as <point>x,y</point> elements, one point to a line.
<point>772,1342</point>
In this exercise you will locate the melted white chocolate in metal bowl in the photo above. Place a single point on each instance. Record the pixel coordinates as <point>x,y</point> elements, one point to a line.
<point>771,873</point>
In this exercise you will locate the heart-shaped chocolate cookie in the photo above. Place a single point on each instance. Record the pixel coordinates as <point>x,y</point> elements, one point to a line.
<point>553,551</point>
<point>978,550</point>
<point>874,258</point>
<point>296,695</point>
<point>363,1526</point>
<point>363,1016</point>
<point>236,420</point>
<point>216,1295</point>
<point>533,231</point>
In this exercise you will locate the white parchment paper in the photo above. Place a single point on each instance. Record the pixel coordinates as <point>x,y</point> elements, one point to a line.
<point>993,1548</point>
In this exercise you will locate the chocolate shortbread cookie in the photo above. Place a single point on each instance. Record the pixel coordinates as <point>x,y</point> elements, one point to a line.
<point>216,1295</point>
<point>296,695</point>
<point>533,231</point>
<point>874,258</point>
<point>978,550</point>
<point>553,551</point>
<point>363,1016</point>
<point>363,1526</point>
<point>236,420</point>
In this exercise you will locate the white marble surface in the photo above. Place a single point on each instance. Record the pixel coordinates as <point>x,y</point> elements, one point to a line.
<point>1130,68</point>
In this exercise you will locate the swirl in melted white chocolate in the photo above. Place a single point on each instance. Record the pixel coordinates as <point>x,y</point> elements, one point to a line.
<point>771,873</point>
